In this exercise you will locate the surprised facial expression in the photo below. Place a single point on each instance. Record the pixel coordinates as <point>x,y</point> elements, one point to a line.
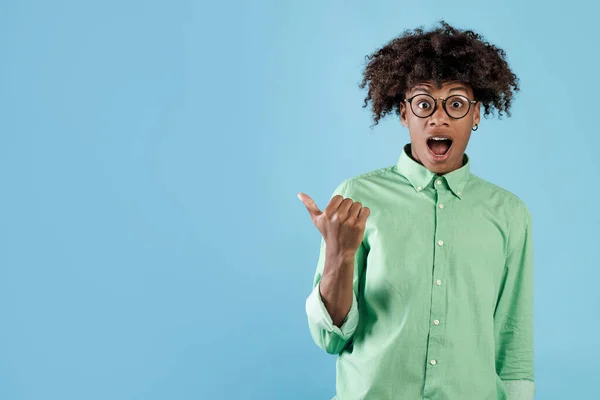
<point>439,140</point>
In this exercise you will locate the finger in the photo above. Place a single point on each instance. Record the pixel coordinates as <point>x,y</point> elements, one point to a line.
<point>333,205</point>
<point>310,204</point>
<point>354,210</point>
<point>363,215</point>
<point>343,209</point>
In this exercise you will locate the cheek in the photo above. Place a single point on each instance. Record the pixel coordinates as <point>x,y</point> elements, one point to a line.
<point>464,136</point>
<point>415,123</point>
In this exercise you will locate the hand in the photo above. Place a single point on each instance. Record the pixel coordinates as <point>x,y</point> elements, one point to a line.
<point>342,224</point>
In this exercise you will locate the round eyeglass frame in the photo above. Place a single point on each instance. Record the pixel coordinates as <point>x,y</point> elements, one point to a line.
<point>469,102</point>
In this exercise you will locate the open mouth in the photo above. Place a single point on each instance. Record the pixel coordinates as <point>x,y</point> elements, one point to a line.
<point>439,146</point>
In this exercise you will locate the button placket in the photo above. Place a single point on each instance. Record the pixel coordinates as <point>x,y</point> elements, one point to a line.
<point>440,263</point>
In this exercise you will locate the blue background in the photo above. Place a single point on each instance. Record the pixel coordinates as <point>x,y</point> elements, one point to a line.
<point>151,242</point>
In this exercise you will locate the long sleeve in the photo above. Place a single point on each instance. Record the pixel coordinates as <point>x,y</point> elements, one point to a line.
<point>327,336</point>
<point>513,317</point>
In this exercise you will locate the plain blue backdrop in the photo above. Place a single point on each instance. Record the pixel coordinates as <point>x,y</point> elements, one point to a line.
<point>151,242</point>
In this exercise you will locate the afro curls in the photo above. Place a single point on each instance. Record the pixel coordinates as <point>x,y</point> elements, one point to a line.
<point>439,55</point>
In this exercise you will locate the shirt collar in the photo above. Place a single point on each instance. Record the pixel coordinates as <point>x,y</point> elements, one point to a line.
<point>420,177</point>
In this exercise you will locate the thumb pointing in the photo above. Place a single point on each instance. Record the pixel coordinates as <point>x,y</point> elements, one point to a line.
<point>309,204</point>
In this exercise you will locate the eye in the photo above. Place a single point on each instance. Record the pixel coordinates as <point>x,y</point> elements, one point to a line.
<point>424,105</point>
<point>456,102</point>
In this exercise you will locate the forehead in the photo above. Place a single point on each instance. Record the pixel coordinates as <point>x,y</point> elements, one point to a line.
<point>456,87</point>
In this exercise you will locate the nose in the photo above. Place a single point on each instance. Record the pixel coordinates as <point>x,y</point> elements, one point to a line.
<point>439,117</point>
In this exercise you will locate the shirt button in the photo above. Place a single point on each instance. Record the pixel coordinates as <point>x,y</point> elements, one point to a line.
<point>436,322</point>
<point>433,362</point>
<point>438,182</point>
<point>438,282</point>
<point>420,188</point>
<point>458,193</point>
<point>441,242</point>
<point>441,206</point>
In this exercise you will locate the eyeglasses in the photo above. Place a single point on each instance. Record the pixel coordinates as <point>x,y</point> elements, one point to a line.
<point>424,105</point>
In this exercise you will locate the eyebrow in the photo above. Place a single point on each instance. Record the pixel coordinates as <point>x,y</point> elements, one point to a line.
<point>454,89</point>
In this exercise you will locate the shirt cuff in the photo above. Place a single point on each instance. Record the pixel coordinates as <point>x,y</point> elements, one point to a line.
<point>520,389</point>
<point>318,315</point>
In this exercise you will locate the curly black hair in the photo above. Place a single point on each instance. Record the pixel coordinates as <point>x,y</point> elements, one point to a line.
<point>439,55</point>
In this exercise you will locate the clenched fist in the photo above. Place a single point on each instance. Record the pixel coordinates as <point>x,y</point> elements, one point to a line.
<point>342,224</point>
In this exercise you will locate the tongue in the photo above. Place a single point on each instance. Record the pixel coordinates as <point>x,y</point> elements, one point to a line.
<point>439,147</point>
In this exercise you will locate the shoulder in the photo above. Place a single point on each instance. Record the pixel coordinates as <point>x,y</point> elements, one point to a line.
<point>513,210</point>
<point>514,204</point>
<point>353,186</point>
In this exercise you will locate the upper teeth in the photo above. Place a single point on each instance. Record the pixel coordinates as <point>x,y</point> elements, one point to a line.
<point>439,138</point>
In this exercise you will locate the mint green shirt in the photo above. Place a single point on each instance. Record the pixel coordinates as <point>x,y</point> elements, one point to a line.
<point>443,290</point>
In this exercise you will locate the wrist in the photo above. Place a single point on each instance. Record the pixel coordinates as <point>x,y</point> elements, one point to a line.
<point>341,256</point>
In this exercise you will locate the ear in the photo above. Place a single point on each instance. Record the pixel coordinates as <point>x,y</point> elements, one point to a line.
<point>477,114</point>
<point>403,113</point>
